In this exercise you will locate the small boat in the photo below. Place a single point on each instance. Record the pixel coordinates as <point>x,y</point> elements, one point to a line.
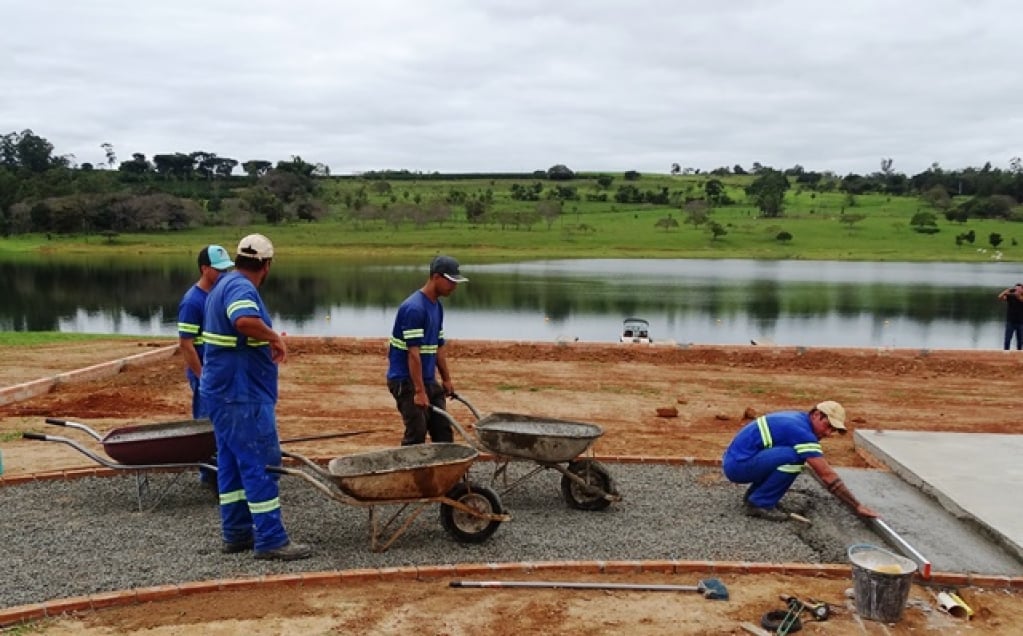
<point>635,330</point>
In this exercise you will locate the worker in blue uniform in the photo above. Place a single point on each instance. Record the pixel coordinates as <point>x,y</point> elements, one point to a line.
<point>239,387</point>
<point>213,260</point>
<point>770,452</point>
<point>416,354</point>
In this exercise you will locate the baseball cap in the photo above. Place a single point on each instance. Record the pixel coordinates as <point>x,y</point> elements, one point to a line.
<point>256,246</point>
<point>216,257</point>
<point>835,413</point>
<point>448,268</point>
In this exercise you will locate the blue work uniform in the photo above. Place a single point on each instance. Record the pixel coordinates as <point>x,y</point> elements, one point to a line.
<point>239,387</point>
<point>190,312</point>
<point>769,453</point>
<point>418,323</point>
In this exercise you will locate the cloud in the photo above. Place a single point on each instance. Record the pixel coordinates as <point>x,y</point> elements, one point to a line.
<point>462,85</point>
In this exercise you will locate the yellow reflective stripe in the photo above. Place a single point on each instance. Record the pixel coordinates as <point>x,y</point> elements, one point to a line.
<point>199,340</point>
<point>440,334</point>
<point>241,304</point>
<point>220,340</point>
<point>398,344</point>
<point>430,350</point>
<point>252,342</point>
<point>809,447</point>
<point>262,507</point>
<point>791,468</point>
<point>232,497</point>
<point>765,432</point>
<point>409,334</point>
<point>187,327</point>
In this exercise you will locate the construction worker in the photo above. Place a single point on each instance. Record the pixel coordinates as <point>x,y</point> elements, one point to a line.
<point>770,452</point>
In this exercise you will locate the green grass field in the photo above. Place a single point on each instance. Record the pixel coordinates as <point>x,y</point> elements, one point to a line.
<point>589,229</point>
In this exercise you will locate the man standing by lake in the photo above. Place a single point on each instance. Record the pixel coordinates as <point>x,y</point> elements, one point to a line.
<point>239,387</point>
<point>213,260</point>
<point>416,354</point>
<point>1013,297</point>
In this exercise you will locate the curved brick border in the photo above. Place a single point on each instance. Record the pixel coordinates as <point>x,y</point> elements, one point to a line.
<point>123,598</point>
<point>26,390</point>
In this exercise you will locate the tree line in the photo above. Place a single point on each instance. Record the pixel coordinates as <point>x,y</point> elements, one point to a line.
<point>41,191</point>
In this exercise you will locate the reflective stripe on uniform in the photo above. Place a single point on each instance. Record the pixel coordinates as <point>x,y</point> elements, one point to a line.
<point>241,304</point>
<point>428,350</point>
<point>187,327</point>
<point>809,447</point>
<point>220,340</point>
<point>262,507</point>
<point>398,344</point>
<point>791,468</point>
<point>765,432</point>
<point>409,334</point>
<point>232,497</point>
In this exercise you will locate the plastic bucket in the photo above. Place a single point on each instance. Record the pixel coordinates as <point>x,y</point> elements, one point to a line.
<point>881,582</point>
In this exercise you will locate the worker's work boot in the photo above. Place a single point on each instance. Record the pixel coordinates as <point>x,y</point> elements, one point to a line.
<point>288,552</point>
<point>234,547</point>
<point>771,514</point>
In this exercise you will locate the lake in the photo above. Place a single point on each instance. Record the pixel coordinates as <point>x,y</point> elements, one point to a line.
<point>807,303</point>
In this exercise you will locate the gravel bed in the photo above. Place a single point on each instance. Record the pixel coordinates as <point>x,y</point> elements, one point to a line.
<point>71,538</point>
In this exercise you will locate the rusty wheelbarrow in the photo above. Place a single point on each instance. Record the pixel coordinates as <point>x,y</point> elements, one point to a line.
<point>144,447</point>
<point>585,483</point>
<point>412,477</point>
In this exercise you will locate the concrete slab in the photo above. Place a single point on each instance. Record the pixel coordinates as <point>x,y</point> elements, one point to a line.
<point>969,480</point>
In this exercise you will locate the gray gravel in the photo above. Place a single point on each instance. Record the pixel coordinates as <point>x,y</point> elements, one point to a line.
<point>70,538</point>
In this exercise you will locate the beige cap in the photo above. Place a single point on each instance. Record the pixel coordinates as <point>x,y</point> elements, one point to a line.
<point>835,413</point>
<point>256,246</point>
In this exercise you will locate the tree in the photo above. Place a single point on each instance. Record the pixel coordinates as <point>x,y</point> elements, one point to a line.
<point>108,150</point>
<point>676,169</point>
<point>768,191</point>
<point>666,223</point>
<point>716,230</point>
<point>715,191</point>
<point>783,237</point>
<point>605,181</point>
<point>886,166</point>
<point>549,211</point>
<point>631,175</point>
<point>256,168</point>
<point>995,239</point>
<point>924,223</point>
<point>851,219</point>
<point>560,172</point>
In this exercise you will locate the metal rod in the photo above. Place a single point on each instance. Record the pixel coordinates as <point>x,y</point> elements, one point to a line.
<point>903,546</point>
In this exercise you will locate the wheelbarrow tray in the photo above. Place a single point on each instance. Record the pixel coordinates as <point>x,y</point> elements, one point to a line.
<point>541,439</point>
<point>182,442</point>
<point>410,472</point>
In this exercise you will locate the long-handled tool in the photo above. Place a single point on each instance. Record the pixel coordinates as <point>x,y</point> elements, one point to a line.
<point>310,438</point>
<point>712,589</point>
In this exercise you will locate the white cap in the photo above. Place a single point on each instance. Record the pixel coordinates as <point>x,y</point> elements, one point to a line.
<point>256,246</point>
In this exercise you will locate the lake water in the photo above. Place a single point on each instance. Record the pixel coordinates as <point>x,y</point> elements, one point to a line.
<point>808,303</point>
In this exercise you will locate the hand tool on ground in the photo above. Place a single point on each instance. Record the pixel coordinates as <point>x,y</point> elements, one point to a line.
<point>310,438</point>
<point>818,609</point>
<point>784,621</point>
<point>712,589</point>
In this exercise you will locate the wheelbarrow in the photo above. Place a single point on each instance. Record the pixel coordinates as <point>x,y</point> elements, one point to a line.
<point>144,447</point>
<point>551,444</point>
<point>412,477</point>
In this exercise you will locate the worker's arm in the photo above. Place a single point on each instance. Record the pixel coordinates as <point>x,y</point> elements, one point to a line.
<point>255,328</point>
<point>834,484</point>
<point>445,375</point>
<point>190,355</point>
<point>415,370</point>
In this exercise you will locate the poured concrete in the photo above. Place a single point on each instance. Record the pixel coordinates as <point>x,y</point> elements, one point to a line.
<point>952,496</point>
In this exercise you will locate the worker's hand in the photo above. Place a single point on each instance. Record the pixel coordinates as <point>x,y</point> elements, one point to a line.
<point>864,511</point>
<point>278,350</point>
<point>421,399</point>
<point>449,388</point>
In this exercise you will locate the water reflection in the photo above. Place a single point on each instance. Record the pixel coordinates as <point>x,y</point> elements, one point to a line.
<point>716,302</point>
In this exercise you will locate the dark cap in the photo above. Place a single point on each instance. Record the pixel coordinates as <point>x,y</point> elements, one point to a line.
<point>216,257</point>
<point>448,268</point>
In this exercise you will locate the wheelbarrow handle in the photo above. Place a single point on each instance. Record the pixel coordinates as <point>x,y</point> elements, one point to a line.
<point>459,398</point>
<point>38,436</point>
<point>58,422</point>
<point>68,423</point>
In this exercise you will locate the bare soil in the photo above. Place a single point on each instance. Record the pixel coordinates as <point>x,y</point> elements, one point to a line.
<point>337,385</point>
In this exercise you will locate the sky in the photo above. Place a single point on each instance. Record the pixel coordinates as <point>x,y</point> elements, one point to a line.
<point>522,85</point>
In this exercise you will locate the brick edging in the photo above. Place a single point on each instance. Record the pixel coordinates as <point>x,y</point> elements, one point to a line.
<point>41,386</point>
<point>123,598</point>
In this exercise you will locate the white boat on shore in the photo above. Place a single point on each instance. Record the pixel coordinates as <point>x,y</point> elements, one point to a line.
<point>635,330</point>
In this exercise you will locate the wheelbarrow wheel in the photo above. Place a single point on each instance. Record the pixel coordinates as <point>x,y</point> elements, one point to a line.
<point>596,476</point>
<point>465,527</point>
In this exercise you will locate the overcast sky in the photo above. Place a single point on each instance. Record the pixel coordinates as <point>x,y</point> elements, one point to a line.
<point>521,85</point>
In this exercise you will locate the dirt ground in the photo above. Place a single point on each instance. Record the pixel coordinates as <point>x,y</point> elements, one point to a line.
<point>337,385</point>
